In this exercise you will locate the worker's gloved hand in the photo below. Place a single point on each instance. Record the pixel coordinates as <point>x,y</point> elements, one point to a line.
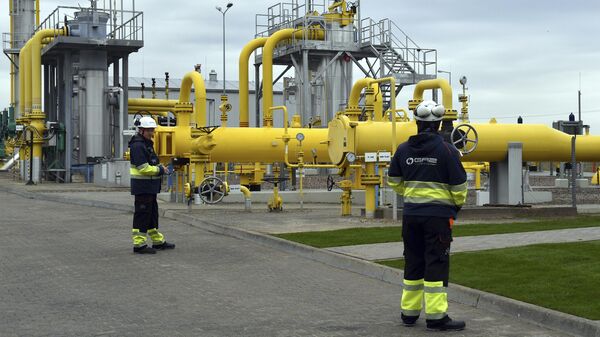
<point>164,169</point>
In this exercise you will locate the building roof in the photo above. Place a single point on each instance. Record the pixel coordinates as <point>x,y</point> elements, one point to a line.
<point>175,83</point>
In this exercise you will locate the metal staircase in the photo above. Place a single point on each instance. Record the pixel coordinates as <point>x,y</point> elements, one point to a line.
<point>397,54</point>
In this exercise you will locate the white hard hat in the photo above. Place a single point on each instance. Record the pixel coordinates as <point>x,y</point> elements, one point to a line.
<point>429,111</point>
<point>147,123</point>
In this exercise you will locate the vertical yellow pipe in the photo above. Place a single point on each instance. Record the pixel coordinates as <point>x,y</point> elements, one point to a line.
<point>268,49</point>
<point>37,13</point>
<point>244,65</point>
<point>194,77</point>
<point>370,192</point>
<point>33,94</point>
<point>12,67</point>
<point>26,51</point>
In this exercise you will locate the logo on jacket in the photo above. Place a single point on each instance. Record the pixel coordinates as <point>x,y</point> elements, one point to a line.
<point>421,161</point>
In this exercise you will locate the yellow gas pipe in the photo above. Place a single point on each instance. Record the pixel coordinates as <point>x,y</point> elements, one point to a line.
<point>269,47</point>
<point>438,83</point>
<point>30,82</point>
<point>243,76</point>
<point>12,67</point>
<point>194,78</point>
<point>476,168</point>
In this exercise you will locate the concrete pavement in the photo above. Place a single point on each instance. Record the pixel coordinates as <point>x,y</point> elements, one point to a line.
<point>68,270</point>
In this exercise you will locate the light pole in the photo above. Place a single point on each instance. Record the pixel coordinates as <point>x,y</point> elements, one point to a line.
<point>220,9</point>
<point>449,75</point>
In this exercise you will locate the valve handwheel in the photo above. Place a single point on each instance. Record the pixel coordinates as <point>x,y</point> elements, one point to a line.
<point>330,183</point>
<point>212,190</point>
<point>464,138</point>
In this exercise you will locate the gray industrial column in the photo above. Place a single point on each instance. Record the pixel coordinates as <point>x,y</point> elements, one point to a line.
<point>67,111</point>
<point>257,95</point>
<point>125,120</point>
<point>506,178</point>
<point>307,112</point>
<point>118,138</point>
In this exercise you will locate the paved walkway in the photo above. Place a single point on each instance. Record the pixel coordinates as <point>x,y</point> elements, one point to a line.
<point>68,270</point>
<point>394,250</point>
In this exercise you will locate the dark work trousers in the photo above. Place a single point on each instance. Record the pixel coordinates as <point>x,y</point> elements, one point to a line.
<point>146,212</point>
<point>426,248</point>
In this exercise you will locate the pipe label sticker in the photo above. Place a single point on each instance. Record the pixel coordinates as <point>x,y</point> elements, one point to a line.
<point>370,157</point>
<point>385,156</point>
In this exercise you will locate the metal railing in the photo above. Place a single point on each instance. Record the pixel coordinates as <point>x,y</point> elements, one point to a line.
<point>285,14</point>
<point>386,36</point>
<point>132,29</point>
<point>10,45</point>
<point>125,24</point>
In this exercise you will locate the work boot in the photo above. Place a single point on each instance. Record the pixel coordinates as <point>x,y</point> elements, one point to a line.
<point>445,324</point>
<point>144,250</point>
<point>409,320</point>
<point>163,246</point>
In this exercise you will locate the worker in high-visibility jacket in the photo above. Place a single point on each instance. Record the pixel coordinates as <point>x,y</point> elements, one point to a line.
<point>146,173</point>
<point>428,173</point>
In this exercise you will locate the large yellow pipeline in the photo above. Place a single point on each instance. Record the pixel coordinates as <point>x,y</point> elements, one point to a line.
<point>243,76</point>
<point>194,78</point>
<point>159,107</point>
<point>435,84</point>
<point>269,47</point>
<point>540,142</point>
<point>258,144</point>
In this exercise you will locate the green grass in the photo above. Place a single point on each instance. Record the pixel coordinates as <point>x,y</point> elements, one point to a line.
<point>359,236</point>
<point>563,277</point>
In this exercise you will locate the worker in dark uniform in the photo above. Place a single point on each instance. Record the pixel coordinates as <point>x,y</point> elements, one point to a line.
<point>146,174</point>
<point>428,173</point>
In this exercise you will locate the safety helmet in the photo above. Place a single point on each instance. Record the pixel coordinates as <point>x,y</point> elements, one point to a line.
<point>429,111</point>
<point>147,123</point>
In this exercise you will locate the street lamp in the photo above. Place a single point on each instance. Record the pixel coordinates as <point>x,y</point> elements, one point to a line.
<point>449,75</point>
<point>220,9</point>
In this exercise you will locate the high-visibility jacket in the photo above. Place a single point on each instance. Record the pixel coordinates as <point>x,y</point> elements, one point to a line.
<point>428,173</point>
<point>145,171</point>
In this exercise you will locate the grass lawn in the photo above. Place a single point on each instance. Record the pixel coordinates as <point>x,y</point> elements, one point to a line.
<point>563,277</point>
<point>359,236</point>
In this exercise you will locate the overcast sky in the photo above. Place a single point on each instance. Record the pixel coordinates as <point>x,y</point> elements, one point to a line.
<point>520,57</point>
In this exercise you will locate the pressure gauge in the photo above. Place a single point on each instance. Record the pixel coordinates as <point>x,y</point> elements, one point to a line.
<point>350,157</point>
<point>299,137</point>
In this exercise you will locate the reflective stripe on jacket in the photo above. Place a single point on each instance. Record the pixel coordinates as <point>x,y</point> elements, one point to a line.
<point>428,173</point>
<point>144,170</point>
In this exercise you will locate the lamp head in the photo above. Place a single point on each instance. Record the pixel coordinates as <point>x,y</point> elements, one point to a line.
<point>230,4</point>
